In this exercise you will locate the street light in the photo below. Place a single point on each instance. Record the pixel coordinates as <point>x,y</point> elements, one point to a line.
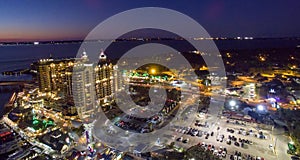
<point>260,107</point>
<point>232,103</point>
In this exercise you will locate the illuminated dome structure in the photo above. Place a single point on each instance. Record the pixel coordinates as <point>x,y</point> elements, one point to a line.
<point>102,56</point>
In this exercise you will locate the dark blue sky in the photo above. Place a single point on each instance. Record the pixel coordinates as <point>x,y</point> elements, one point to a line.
<point>73,19</point>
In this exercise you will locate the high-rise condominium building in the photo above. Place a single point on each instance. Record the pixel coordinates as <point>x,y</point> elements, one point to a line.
<point>54,76</point>
<point>90,85</point>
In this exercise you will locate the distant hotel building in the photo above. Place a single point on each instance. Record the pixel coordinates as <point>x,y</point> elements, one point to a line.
<point>54,76</point>
<point>80,78</point>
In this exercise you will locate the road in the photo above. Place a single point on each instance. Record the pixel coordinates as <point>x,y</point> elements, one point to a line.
<point>29,139</point>
<point>280,143</point>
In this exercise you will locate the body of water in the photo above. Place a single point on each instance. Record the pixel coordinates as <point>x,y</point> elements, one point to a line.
<point>17,57</point>
<point>21,56</point>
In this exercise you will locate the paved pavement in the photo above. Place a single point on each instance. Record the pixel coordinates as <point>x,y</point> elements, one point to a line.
<point>260,147</point>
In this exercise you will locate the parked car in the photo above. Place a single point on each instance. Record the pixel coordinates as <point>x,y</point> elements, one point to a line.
<point>295,158</point>
<point>179,139</point>
<point>185,140</point>
<point>223,154</point>
<point>237,144</point>
<point>228,141</point>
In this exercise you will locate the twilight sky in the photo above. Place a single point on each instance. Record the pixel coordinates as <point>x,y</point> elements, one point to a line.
<point>74,19</point>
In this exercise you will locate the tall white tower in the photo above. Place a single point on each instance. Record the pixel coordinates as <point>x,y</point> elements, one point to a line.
<point>83,87</point>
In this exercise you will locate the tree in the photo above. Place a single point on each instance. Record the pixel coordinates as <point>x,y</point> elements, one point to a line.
<point>198,153</point>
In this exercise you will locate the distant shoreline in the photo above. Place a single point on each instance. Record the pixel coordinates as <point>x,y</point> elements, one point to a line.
<point>31,42</point>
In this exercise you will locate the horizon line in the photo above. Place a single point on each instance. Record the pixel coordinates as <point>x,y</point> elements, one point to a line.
<point>143,38</point>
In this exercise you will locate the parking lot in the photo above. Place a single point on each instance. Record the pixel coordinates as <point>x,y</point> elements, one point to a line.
<point>240,141</point>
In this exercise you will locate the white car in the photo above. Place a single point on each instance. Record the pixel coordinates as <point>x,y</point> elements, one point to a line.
<point>271,145</point>
<point>223,154</point>
<point>235,157</point>
<point>182,131</point>
<point>215,152</point>
<point>195,133</point>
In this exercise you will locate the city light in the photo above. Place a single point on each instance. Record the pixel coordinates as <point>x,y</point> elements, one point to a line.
<point>153,71</point>
<point>260,107</point>
<point>262,59</point>
<point>232,103</point>
<point>272,91</point>
<point>240,97</point>
<point>294,67</point>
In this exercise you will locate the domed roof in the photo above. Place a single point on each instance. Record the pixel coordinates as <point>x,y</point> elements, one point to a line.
<point>84,55</point>
<point>102,58</point>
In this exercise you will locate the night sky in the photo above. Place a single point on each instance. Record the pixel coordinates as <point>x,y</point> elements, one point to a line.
<point>73,19</point>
